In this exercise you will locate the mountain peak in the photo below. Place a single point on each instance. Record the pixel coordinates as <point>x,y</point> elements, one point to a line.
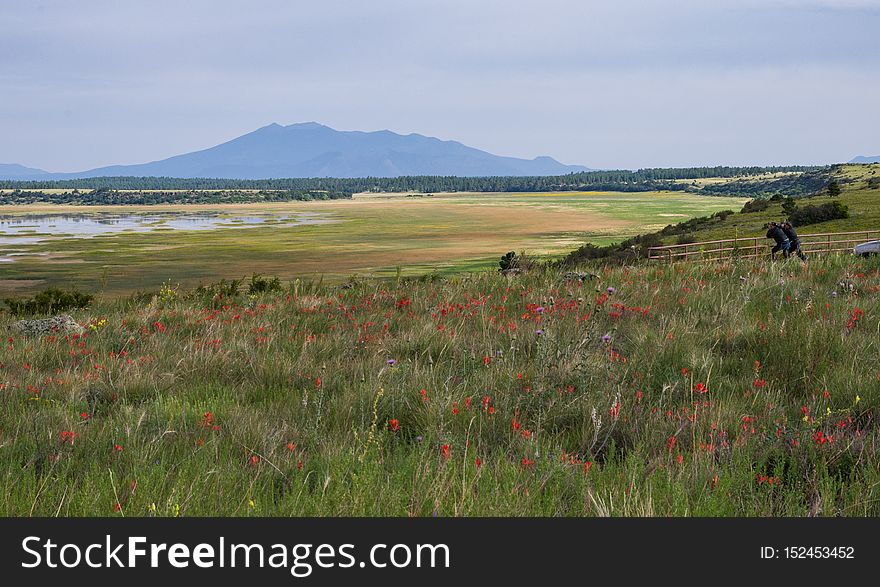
<point>273,151</point>
<point>307,125</point>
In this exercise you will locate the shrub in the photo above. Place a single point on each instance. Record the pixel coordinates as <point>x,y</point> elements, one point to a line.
<point>811,214</point>
<point>260,284</point>
<point>789,206</point>
<point>627,251</point>
<point>833,189</point>
<point>755,206</point>
<point>49,301</point>
<point>511,260</point>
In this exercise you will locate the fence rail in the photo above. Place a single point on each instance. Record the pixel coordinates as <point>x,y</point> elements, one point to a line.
<point>757,247</point>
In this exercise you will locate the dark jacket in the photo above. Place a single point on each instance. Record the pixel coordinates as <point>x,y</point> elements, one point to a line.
<point>777,234</point>
<point>789,232</point>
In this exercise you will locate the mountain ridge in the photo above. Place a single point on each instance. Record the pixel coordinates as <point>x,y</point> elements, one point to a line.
<point>311,149</point>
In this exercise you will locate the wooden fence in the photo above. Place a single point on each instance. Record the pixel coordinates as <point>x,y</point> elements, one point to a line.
<point>759,247</point>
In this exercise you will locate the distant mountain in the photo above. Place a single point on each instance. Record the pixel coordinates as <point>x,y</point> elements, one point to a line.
<point>314,150</point>
<point>863,159</point>
<point>15,171</point>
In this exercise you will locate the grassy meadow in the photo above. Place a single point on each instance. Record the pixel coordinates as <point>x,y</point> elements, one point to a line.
<point>370,235</point>
<point>748,389</point>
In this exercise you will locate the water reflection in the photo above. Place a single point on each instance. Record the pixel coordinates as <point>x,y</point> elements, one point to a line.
<point>30,229</point>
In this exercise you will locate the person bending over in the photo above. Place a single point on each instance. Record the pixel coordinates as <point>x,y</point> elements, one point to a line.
<point>794,243</point>
<point>775,232</point>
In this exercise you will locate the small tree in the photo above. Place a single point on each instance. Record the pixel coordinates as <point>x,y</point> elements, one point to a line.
<point>789,207</point>
<point>833,189</point>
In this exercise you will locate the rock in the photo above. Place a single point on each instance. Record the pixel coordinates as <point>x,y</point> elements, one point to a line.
<point>579,276</point>
<point>62,323</point>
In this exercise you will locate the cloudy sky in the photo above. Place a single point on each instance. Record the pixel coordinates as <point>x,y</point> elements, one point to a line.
<point>607,84</point>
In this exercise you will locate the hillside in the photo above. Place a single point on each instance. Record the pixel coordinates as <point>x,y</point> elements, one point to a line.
<point>860,186</point>
<point>860,193</point>
<point>314,150</point>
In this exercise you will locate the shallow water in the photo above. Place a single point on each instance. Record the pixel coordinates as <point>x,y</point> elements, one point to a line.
<point>31,229</point>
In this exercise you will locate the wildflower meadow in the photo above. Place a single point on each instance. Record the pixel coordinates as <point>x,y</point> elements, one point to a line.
<point>746,389</point>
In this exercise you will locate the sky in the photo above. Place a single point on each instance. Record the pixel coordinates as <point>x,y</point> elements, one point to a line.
<point>610,84</point>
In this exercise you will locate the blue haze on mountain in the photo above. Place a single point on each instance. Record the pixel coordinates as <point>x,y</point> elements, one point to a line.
<point>863,159</point>
<point>313,150</point>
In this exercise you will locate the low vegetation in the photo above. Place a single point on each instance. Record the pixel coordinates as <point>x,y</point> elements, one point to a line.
<point>111,197</point>
<point>745,389</point>
<point>50,301</point>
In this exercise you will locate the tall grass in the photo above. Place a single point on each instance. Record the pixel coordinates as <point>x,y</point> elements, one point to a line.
<point>744,389</point>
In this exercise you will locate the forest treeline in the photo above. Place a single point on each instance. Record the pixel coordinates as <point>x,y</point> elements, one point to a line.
<point>618,180</point>
<point>111,197</point>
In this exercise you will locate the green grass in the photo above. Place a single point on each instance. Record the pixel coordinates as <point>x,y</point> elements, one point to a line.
<point>375,235</point>
<point>863,203</point>
<point>193,406</point>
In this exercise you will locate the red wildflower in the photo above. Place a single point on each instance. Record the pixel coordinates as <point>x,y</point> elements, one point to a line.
<point>615,411</point>
<point>759,383</point>
<point>117,448</point>
<point>820,438</point>
<point>254,461</point>
<point>527,462</point>
<point>671,442</point>
<point>478,462</point>
<point>444,451</point>
<point>393,425</point>
<point>701,388</point>
<point>68,436</point>
<point>487,360</point>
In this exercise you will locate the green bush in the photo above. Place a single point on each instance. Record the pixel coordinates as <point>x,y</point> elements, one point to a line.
<point>260,284</point>
<point>49,301</point>
<point>811,214</point>
<point>755,206</point>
